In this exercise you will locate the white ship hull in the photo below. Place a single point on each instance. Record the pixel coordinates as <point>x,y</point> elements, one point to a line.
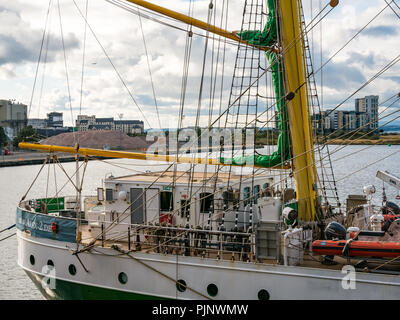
<point>155,275</point>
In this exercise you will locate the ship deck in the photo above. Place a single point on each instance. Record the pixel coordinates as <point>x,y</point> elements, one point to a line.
<point>182,177</point>
<point>309,260</point>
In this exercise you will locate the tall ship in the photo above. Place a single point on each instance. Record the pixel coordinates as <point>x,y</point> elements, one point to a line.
<point>225,219</point>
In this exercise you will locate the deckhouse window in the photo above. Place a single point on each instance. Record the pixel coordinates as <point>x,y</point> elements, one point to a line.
<point>206,202</point>
<point>109,195</point>
<point>185,208</point>
<point>246,196</point>
<point>166,201</point>
<point>100,194</point>
<point>256,191</point>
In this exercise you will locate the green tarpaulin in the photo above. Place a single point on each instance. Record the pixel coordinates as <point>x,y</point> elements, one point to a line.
<point>268,37</point>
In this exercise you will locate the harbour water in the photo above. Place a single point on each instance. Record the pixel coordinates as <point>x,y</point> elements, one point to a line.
<point>354,167</point>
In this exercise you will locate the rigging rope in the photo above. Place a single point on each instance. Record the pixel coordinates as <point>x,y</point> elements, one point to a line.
<point>8,228</point>
<point>39,59</point>
<point>150,73</point>
<point>112,64</point>
<point>83,58</point>
<point>354,172</point>
<point>8,237</point>
<point>351,39</point>
<point>130,8</point>
<point>44,69</point>
<point>66,68</point>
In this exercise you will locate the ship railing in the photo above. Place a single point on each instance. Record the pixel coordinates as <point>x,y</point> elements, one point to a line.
<point>166,239</point>
<point>174,240</point>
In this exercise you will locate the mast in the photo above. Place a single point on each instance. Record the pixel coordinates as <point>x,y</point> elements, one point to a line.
<point>298,108</point>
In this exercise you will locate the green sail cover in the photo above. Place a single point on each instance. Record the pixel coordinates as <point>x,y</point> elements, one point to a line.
<point>268,37</point>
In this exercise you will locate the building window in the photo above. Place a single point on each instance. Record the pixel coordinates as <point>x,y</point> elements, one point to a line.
<point>32,259</point>
<point>206,202</point>
<point>166,201</point>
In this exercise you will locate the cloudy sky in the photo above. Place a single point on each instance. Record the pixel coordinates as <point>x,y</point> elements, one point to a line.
<point>21,31</point>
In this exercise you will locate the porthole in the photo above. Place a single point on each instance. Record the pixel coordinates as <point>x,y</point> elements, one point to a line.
<point>263,295</point>
<point>72,269</point>
<point>212,290</point>
<point>32,259</point>
<point>50,263</point>
<point>122,278</point>
<point>181,285</point>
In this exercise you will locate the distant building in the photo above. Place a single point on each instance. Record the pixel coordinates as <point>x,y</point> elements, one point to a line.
<point>129,126</point>
<point>362,121</point>
<point>369,106</point>
<point>50,132</point>
<point>55,120</point>
<point>13,117</point>
<point>37,123</point>
<point>86,123</point>
<point>100,127</point>
<point>51,126</point>
<point>350,120</point>
<point>364,117</point>
<point>372,103</point>
<point>360,105</point>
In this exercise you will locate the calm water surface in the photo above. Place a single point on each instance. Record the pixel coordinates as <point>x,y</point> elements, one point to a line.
<point>15,181</point>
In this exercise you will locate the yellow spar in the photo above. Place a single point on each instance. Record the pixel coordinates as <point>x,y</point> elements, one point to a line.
<point>114,154</point>
<point>195,22</point>
<point>122,154</point>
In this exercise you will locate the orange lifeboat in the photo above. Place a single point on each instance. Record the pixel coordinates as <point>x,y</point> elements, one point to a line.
<point>356,248</point>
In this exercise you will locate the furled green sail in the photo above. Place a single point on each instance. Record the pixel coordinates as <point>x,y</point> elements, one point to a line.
<point>268,37</point>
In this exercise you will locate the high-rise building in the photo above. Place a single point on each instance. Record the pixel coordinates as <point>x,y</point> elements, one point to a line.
<point>351,120</point>
<point>369,105</point>
<point>360,105</point>
<point>13,117</point>
<point>364,117</point>
<point>372,103</point>
<point>362,121</point>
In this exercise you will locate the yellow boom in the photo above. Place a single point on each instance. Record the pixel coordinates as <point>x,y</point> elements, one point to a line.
<point>195,22</point>
<point>121,154</point>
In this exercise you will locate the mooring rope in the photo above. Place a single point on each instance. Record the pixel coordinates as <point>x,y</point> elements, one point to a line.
<point>10,227</point>
<point>8,237</point>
